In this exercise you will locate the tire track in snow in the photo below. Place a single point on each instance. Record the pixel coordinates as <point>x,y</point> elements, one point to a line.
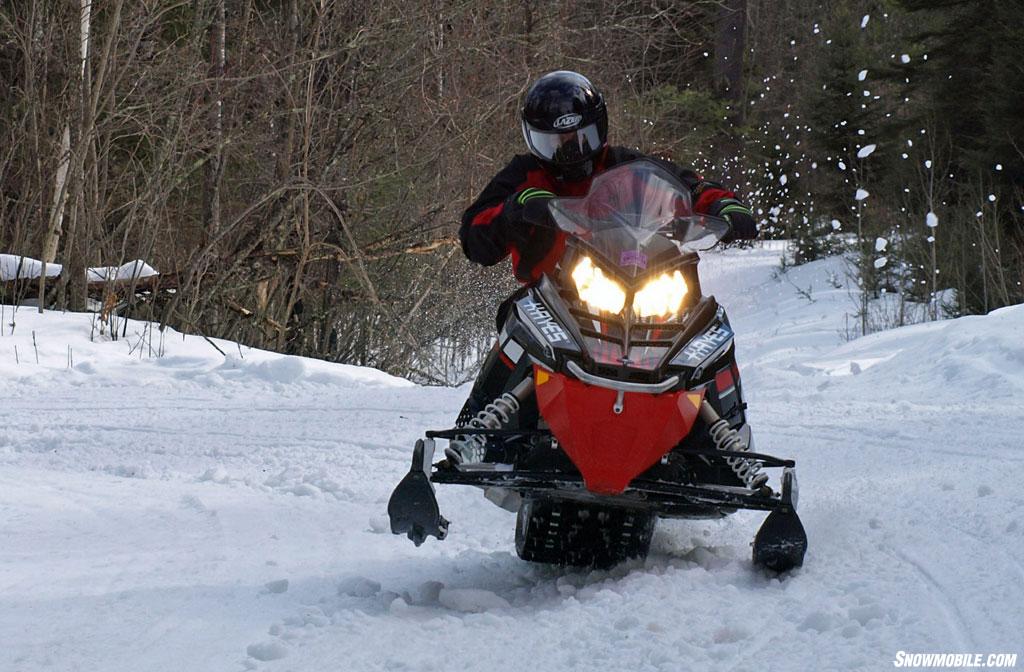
<point>1011,560</point>
<point>952,612</point>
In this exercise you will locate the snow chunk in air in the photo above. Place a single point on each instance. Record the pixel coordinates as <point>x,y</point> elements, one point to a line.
<point>866,151</point>
<point>861,194</point>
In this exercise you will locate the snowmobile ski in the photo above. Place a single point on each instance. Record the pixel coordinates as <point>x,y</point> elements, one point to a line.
<point>413,508</point>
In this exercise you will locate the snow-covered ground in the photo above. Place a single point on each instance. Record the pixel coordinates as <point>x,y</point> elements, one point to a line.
<point>201,512</point>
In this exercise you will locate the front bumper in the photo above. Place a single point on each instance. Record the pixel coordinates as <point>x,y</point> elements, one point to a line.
<point>414,511</point>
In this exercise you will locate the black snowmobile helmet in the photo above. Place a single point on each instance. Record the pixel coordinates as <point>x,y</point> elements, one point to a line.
<point>565,123</point>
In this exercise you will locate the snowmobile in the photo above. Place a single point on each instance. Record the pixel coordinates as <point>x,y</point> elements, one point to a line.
<point>624,405</point>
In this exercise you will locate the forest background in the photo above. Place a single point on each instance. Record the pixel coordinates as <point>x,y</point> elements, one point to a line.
<point>299,167</point>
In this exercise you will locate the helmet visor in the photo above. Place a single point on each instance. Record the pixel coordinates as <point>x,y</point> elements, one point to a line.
<point>565,147</point>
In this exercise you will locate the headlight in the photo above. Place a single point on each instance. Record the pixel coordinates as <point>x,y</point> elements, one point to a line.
<point>597,290</point>
<point>661,296</point>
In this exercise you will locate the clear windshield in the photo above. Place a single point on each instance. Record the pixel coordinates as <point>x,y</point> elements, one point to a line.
<point>633,212</point>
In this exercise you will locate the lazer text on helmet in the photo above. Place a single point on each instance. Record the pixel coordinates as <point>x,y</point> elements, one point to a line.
<point>568,120</point>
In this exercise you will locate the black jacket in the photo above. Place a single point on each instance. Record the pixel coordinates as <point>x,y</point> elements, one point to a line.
<point>486,221</point>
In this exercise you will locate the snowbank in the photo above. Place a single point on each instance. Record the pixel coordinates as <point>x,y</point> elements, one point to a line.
<point>979,356</point>
<point>13,267</point>
<point>133,270</point>
<point>73,346</point>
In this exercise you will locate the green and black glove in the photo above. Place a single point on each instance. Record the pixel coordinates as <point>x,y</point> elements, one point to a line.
<point>525,213</point>
<point>740,217</point>
<point>530,228</point>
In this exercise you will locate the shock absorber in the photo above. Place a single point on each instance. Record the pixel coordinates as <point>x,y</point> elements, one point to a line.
<point>495,415</point>
<point>727,438</point>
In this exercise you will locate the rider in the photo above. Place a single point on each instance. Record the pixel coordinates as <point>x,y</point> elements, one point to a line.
<point>565,125</point>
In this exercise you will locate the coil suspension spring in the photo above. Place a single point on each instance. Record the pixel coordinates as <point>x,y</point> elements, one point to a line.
<point>727,438</point>
<point>495,415</point>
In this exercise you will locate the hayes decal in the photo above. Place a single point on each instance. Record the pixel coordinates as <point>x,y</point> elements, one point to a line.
<point>542,318</point>
<point>707,343</point>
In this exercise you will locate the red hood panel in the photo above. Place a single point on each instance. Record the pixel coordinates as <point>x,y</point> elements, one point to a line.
<point>610,449</point>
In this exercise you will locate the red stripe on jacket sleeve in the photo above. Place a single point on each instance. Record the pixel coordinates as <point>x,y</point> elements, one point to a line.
<point>708,197</point>
<point>486,216</point>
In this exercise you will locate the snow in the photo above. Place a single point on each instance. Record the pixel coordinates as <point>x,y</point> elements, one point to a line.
<point>905,58</point>
<point>132,361</point>
<point>16,267</point>
<point>277,587</point>
<point>471,600</point>
<point>864,21</point>
<point>866,151</point>
<point>358,586</point>
<point>931,220</point>
<point>861,195</point>
<point>880,244</point>
<point>201,512</point>
<point>266,651</point>
<point>862,75</point>
<point>783,179</point>
<point>881,262</point>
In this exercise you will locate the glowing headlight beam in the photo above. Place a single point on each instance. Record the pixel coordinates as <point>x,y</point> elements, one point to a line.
<point>596,289</point>
<point>661,296</point>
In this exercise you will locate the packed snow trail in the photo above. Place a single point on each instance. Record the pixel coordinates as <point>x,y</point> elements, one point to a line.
<point>198,512</point>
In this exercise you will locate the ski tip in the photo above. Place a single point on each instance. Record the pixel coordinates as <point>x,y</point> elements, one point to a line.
<point>781,543</point>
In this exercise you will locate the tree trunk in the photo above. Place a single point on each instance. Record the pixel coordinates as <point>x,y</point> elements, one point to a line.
<point>60,194</point>
<point>215,165</point>
<point>73,280</point>
<point>729,48</point>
